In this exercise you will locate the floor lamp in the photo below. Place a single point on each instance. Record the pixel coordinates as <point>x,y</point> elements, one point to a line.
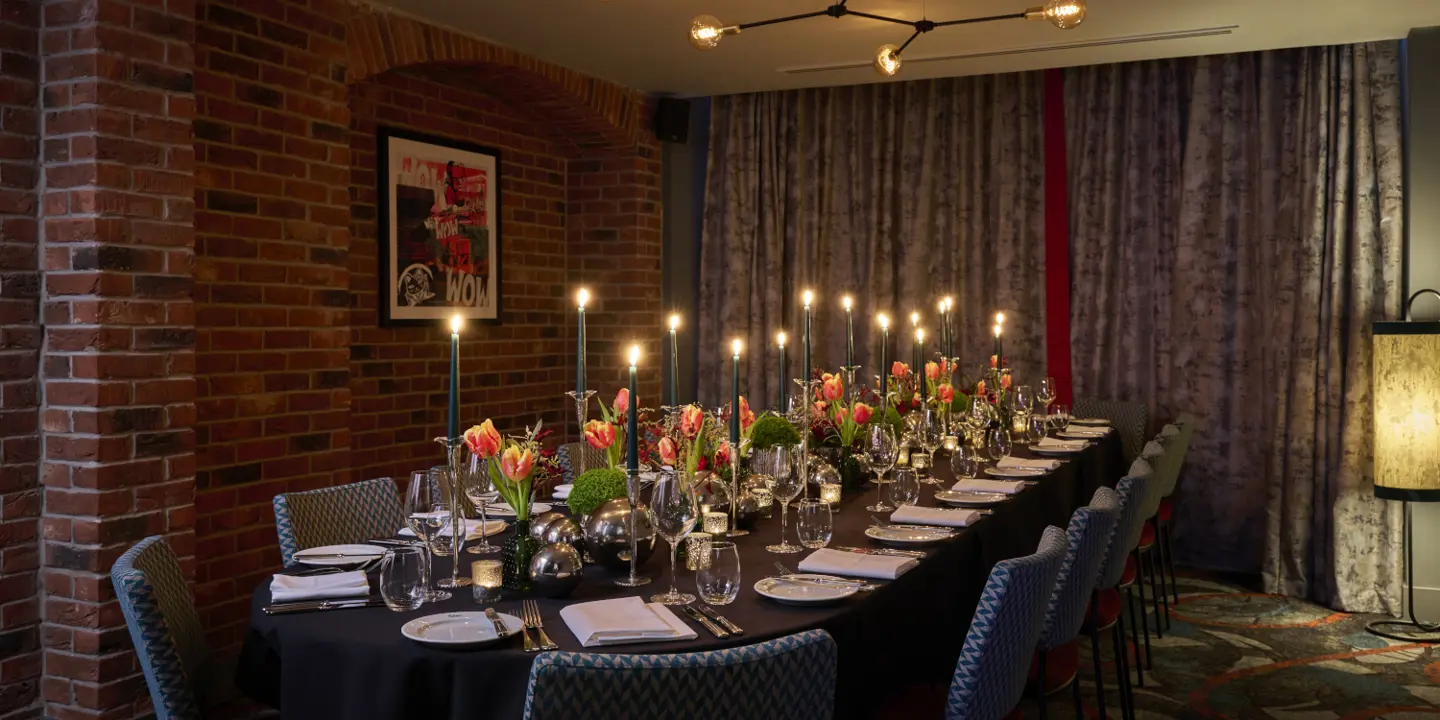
<point>1407,439</point>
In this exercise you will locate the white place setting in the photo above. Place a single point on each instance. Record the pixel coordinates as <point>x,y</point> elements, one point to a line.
<point>339,555</point>
<point>621,621</point>
<point>458,630</point>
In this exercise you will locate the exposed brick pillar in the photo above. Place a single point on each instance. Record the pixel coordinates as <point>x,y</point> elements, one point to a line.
<point>20,340</point>
<point>118,371</point>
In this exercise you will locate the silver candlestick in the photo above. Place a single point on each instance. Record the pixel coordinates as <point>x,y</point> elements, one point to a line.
<point>453,448</point>
<point>632,489</point>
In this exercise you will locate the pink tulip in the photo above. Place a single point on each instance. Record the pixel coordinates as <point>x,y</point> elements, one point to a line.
<point>946,393</point>
<point>899,370</point>
<point>841,414</point>
<point>833,388</point>
<point>600,434</point>
<point>516,463</point>
<point>820,406</point>
<point>932,371</point>
<point>722,454</point>
<point>483,440</point>
<point>668,454</point>
<point>863,413</point>
<point>691,420</point>
<point>622,402</point>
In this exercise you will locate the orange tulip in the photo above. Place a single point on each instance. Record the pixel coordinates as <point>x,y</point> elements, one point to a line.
<point>1005,381</point>
<point>600,434</point>
<point>946,393</point>
<point>691,420</point>
<point>516,463</point>
<point>622,402</point>
<point>483,440</point>
<point>932,371</point>
<point>899,369</point>
<point>980,388</point>
<point>833,387</point>
<point>863,413</point>
<point>841,414</point>
<point>668,454</point>
<point>747,418</point>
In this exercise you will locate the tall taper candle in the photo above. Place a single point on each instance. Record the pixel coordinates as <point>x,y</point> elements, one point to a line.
<point>581,297</point>
<point>674,363</point>
<point>806,369</point>
<point>999,345</point>
<point>735,403</point>
<point>849,334</point>
<point>632,435</point>
<point>784,395</point>
<point>884,360</point>
<point>452,418</point>
<point>920,350</point>
<point>915,348</point>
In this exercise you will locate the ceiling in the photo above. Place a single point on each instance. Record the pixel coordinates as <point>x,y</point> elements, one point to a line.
<point>642,43</point>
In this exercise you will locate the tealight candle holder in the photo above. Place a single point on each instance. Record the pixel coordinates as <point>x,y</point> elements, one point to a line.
<point>697,550</point>
<point>764,499</point>
<point>1019,424</point>
<point>830,493</point>
<point>485,576</point>
<point>716,523</point>
<point>952,443</point>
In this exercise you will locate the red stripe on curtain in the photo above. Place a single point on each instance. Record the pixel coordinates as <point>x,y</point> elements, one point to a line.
<point>1057,238</point>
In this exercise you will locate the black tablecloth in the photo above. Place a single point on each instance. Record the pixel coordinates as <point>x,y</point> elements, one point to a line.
<point>355,663</point>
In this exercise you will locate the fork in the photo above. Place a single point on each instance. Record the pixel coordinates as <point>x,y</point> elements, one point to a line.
<point>534,622</point>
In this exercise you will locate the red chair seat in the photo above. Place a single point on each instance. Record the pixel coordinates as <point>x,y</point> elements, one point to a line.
<point>1167,511</point>
<point>1147,536</point>
<point>1061,665</point>
<point>1104,613</point>
<point>1128,577</point>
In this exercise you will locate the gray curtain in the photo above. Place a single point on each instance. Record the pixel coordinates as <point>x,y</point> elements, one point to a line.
<point>898,193</point>
<point>1236,226</point>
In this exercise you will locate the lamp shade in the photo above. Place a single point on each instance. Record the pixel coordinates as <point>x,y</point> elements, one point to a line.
<point>1407,411</point>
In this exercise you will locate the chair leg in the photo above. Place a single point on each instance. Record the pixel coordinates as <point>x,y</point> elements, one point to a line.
<point>1122,669</point>
<point>1147,558</point>
<point>1134,637</point>
<point>1079,701</point>
<point>1157,565</point>
<point>1040,686</point>
<point>1144,621</point>
<point>1099,677</point>
<point>1170,559</point>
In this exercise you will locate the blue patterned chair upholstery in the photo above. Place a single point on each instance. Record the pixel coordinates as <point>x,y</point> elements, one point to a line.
<point>789,677</point>
<point>1134,492</point>
<point>989,677</point>
<point>1130,419</point>
<point>165,628</point>
<point>577,457</point>
<point>331,516</point>
<point>1087,540</point>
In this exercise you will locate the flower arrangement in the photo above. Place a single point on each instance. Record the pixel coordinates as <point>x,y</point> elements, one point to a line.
<point>771,431</point>
<point>843,420</point>
<point>608,433</point>
<point>941,391</point>
<point>596,487</point>
<point>904,389</point>
<point>685,445</point>
<point>511,463</point>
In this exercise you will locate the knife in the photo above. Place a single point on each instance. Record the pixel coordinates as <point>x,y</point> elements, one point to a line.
<point>881,551</point>
<point>296,607</point>
<point>717,617</point>
<point>495,620</point>
<point>714,629</point>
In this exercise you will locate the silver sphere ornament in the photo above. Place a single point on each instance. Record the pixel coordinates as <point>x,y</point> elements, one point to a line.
<point>555,570</point>
<point>564,530</point>
<point>823,472</point>
<point>540,523</point>
<point>748,511</point>
<point>607,536</point>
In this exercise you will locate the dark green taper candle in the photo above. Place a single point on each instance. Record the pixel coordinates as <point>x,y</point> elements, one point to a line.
<point>783,396</point>
<point>674,363</point>
<point>632,434</point>
<point>735,403</point>
<point>452,416</point>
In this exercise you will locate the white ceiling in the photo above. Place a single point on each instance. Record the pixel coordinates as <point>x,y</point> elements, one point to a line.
<point>641,43</point>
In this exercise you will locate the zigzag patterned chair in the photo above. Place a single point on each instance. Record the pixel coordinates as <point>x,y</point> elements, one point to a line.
<point>789,677</point>
<point>577,457</point>
<point>166,630</point>
<point>1122,567</point>
<point>1166,513</point>
<point>1130,419</point>
<point>989,677</point>
<point>331,516</point>
<point>1057,654</point>
<point>1116,572</point>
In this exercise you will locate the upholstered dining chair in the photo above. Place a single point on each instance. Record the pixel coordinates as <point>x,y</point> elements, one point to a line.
<point>577,457</point>
<point>343,514</point>
<point>1057,653</point>
<point>1164,516</point>
<point>989,678</point>
<point>1118,572</point>
<point>1130,419</point>
<point>784,678</point>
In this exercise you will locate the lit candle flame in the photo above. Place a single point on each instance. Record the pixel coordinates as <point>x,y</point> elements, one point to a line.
<point>846,302</point>
<point>915,319</point>
<point>634,355</point>
<point>997,331</point>
<point>455,324</point>
<point>582,297</point>
<point>780,339</point>
<point>674,322</point>
<point>999,318</point>
<point>808,297</point>
<point>920,335</point>
<point>735,346</point>
<point>949,302</point>
<point>884,321</point>
<point>942,307</point>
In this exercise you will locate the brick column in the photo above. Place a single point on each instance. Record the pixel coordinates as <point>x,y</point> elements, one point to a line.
<point>20,340</point>
<point>118,371</point>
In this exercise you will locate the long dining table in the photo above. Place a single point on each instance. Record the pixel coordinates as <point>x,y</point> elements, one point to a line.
<point>354,663</point>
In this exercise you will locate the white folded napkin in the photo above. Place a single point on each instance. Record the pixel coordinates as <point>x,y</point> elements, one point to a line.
<point>622,621</point>
<point>1094,431</point>
<point>1090,421</point>
<point>913,515</point>
<point>288,588</point>
<point>562,492</point>
<point>1018,463</point>
<point>1049,443</point>
<point>472,529</point>
<point>988,486</point>
<point>838,562</point>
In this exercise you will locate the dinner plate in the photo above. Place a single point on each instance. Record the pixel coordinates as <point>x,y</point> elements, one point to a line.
<point>1015,472</point>
<point>459,629</point>
<point>1055,451</point>
<point>1094,422</point>
<point>504,510</point>
<point>790,592</point>
<point>970,499</point>
<point>1066,435</point>
<point>891,535</point>
<point>339,554</point>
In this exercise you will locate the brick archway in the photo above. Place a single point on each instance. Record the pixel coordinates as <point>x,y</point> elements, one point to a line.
<point>593,116</point>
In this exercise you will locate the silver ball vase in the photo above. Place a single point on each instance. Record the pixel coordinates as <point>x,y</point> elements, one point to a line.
<point>564,530</point>
<point>555,570</point>
<point>540,523</point>
<point>607,537</point>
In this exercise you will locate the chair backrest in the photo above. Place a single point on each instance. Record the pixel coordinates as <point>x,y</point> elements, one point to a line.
<point>1087,538</point>
<point>165,628</point>
<point>1130,419</point>
<point>788,677</point>
<point>1134,491</point>
<point>577,457</point>
<point>342,514</point>
<point>990,674</point>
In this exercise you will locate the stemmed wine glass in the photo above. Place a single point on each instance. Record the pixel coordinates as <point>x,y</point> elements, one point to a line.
<point>787,486</point>
<point>931,434</point>
<point>997,444</point>
<point>481,491</point>
<point>426,514</point>
<point>881,451</point>
<point>674,510</point>
<point>965,462</point>
<point>1046,394</point>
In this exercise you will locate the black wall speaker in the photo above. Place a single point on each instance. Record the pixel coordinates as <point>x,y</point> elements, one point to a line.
<point>672,119</point>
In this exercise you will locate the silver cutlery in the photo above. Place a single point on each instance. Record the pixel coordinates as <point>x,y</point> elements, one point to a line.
<point>496,621</point>
<point>937,529</point>
<point>533,621</point>
<point>789,575</point>
<point>884,551</point>
<point>334,556</point>
<point>393,543</point>
<point>317,605</point>
<point>714,629</point>
<point>724,621</point>
<point>327,570</point>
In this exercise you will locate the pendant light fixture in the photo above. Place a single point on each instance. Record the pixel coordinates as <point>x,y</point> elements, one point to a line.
<point>706,31</point>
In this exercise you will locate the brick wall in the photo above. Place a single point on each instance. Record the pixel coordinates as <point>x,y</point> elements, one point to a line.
<point>20,341</point>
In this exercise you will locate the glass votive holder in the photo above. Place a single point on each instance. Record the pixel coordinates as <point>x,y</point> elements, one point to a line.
<point>952,443</point>
<point>485,576</point>
<point>716,523</point>
<point>1019,424</point>
<point>697,550</point>
<point>704,509</point>
<point>764,499</point>
<point>902,458</point>
<point>919,460</point>
<point>830,493</point>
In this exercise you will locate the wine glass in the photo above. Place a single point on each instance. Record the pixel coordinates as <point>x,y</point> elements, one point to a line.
<point>674,510</point>
<point>481,491</point>
<point>1046,395</point>
<point>814,523</point>
<point>787,486</point>
<point>965,462</point>
<point>718,581</point>
<point>425,516</point>
<point>930,434</point>
<point>1060,417</point>
<point>905,490</point>
<point>1037,429</point>
<point>997,444</point>
<point>881,450</point>
<point>1023,399</point>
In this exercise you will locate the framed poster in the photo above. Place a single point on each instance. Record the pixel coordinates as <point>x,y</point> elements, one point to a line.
<point>439,229</point>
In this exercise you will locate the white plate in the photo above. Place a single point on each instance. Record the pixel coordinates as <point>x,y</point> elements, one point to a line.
<point>353,554</point>
<point>1094,422</point>
<point>908,536</point>
<point>970,499</point>
<point>459,629</point>
<point>1055,451</point>
<point>790,592</point>
<point>1066,435</point>
<point>1015,472</point>
<point>504,510</point>
<point>567,487</point>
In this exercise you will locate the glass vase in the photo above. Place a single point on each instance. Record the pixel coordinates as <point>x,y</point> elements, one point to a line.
<point>515,555</point>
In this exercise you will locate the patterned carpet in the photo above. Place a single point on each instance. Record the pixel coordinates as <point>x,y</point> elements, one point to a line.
<point>1235,653</point>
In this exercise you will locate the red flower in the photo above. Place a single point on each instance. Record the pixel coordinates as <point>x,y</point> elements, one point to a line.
<point>622,402</point>
<point>599,434</point>
<point>863,413</point>
<point>946,393</point>
<point>932,371</point>
<point>899,369</point>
